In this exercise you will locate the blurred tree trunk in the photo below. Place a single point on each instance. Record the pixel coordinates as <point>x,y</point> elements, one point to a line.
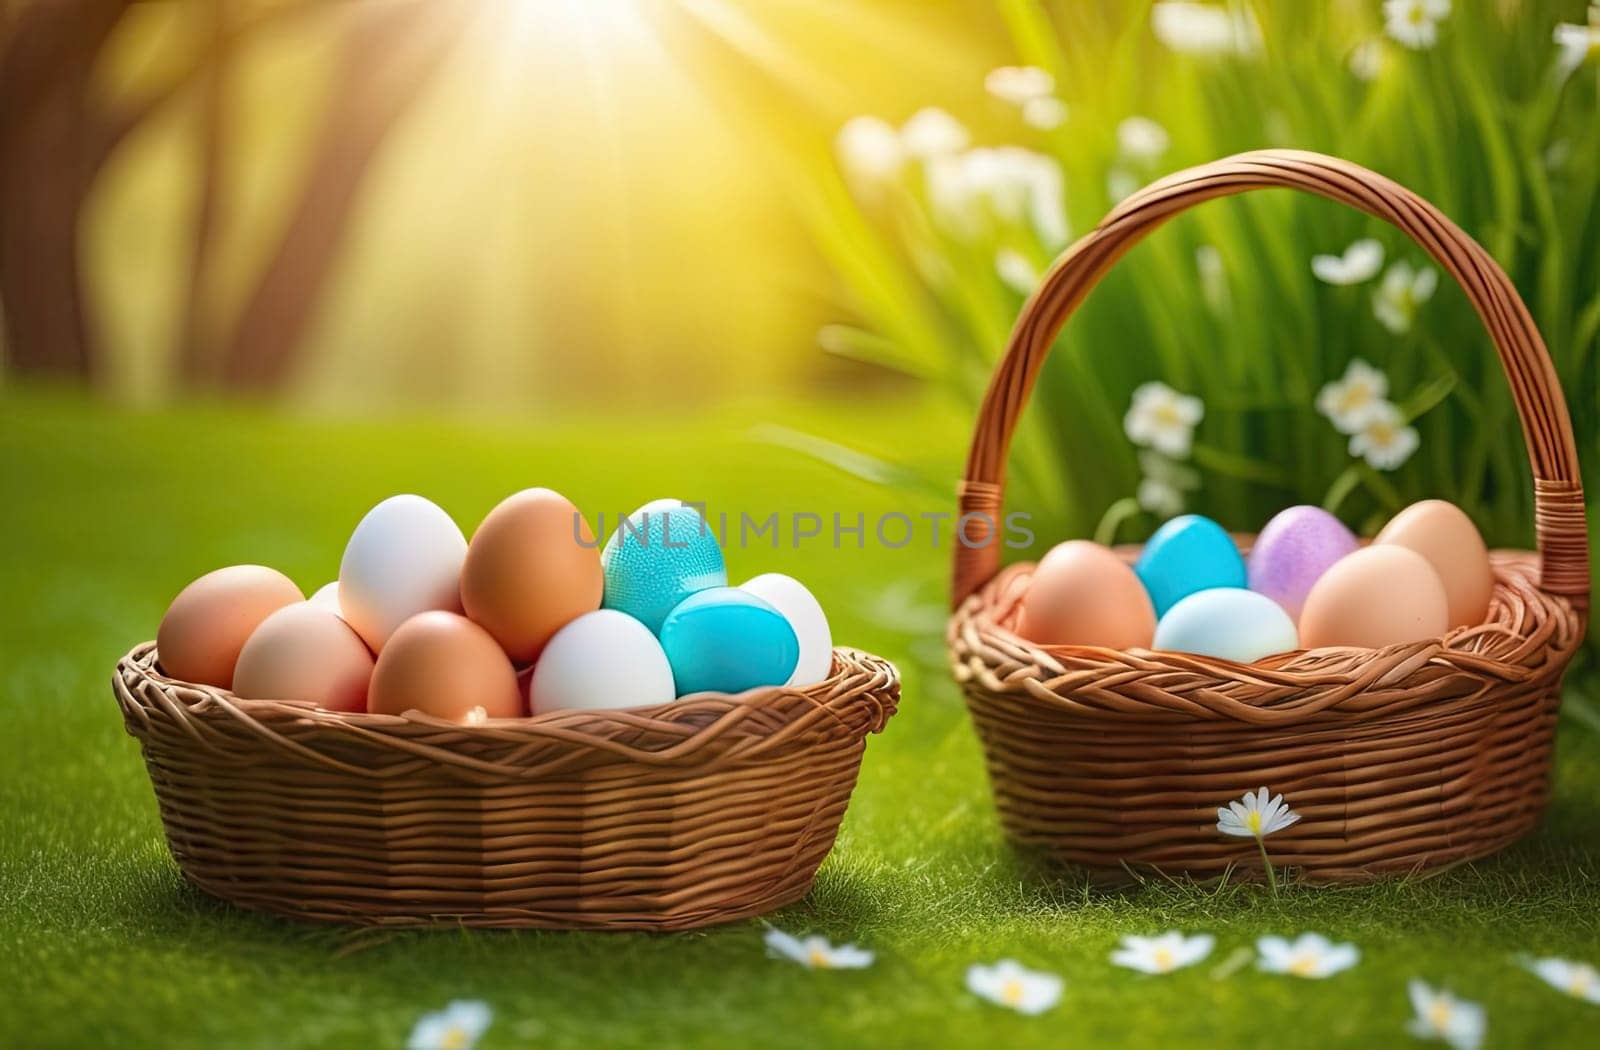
<point>195,354</point>
<point>390,54</point>
<point>49,154</point>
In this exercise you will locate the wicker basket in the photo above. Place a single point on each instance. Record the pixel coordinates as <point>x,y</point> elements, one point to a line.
<point>1404,759</point>
<point>705,810</point>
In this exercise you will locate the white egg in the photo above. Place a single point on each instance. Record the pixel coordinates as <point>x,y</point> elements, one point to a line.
<point>327,596</point>
<point>1229,623</point>
<point>804,613</point>
<point>404,558</point>
<point>603,659</point>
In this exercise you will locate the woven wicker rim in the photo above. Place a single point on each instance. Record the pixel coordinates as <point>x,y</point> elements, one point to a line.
<point>705,730</point>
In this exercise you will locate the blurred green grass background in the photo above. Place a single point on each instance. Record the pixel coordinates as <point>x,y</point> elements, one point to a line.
<point>109,510</point>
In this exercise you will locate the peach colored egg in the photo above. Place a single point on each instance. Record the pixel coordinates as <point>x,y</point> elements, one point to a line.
<point>532,568</point>
<point>1378,596</point>
<point>1442,533</point>
<point>209,621</point>
<point>305,652</point>
<point>444,665</point>
<point>1082,594</point>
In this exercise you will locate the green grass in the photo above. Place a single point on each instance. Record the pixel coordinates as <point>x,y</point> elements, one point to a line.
<point>106,512</point>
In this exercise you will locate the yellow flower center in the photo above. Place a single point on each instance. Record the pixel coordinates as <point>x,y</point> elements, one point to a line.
<point>1011,992</point>
<point>1417,15</point>
<point>1355,395</point>
<point>1303,966</point>
<point>818,958</point>
<point>1252,821</point>
<point>1439,1014</point>
<point>1581,979</point>
<point>1164,959</point>
<point>1382,434</point>
<point>453,1039</point>
<point>1167,415</point>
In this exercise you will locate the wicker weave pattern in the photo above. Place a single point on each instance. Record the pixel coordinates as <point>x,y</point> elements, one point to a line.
<point>706,810</point>
<point>1408,758</point>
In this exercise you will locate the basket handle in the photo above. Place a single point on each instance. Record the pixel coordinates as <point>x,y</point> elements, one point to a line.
<point>1557,486</point>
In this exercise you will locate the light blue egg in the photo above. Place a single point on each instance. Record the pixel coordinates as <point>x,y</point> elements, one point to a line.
<point>1228,623</point>
<point>726,640</point>
<point>1189,553</point>
<point>662,553</point>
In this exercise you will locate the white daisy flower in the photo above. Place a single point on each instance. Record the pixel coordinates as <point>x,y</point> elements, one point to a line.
<point>1415,23</point>
<point>1367,60</point>
<point>1255,816</point>
<point>1403,290</point>
<point>1016,271</point>
<point>816,953</point>
<point>1009,983</point>
<point>1205,29</point>
<point>1170,951</point>
<point>457,1027</point>
<point>1578,43</point>
<point>869,150</point>
<point>931,133</point>
<point>1162,488</point>
<point>1163,419</point>
<point>1349,401</point>
<point>1440,1015</point>
<point>1384,440</point>
<point>1142,139</point>
<point>1019,85</point>
<point>1121,184</point>
<point>1309,955</point>
<point>1360,262</point>
<point>1006,183</point>
<point>1044,113</point>
<point>1577,979</point>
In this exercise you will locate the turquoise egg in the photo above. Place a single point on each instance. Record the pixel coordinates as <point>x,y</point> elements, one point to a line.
<point>726,640</point>
<point>660,555</point>
<point>1189,553</point>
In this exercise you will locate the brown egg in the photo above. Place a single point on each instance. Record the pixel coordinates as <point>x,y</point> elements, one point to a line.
<point>1378,596</point>
<point>444,665</point>
<point>526,575</point>
<point>1442,533</point>
<point>209,621</point>
<point>1082,594</point>
<point>305,652</point>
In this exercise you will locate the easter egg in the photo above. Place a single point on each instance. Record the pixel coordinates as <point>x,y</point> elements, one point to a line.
<point>209,621</point>
<point>1083,594</point>
<point>532,567</point>
<point>305,652</point>
<point>1189,553</point>
<point>660,554</point>
<point>1442,533</point>
<point>402,559</point>
<point>444,665</point>
<point>1380,595</point>
<point>1228,623</point>
<point>1293,551</point>
<point>797,604</point>
<point>602,659</point>
<point>726,640</point>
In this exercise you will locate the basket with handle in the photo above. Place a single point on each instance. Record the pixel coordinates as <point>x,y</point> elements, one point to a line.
<point>705,810</point>
<point>1405,759</point>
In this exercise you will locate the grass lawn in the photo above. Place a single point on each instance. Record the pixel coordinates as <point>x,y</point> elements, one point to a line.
<point>106,512</point>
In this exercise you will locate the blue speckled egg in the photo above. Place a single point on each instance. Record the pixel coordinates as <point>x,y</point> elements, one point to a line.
<point>662,553</point>
<point>1189,553</point>
<point>727,640</point>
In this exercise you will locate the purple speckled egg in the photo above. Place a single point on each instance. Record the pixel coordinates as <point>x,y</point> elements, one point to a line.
<point>1297,546</point>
